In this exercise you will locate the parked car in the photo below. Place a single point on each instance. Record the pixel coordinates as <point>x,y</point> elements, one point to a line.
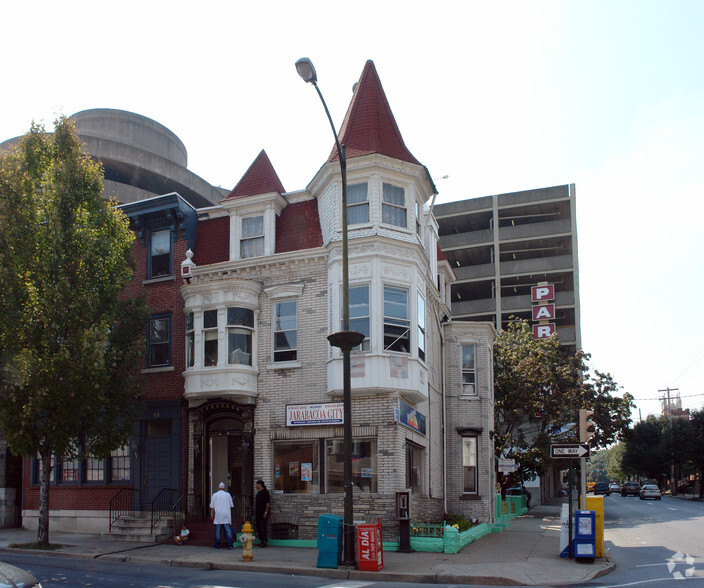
<point>519,491</point>
<point>602,488</point>
<point>615,487</point>
<point>632,488</point>
<point>14,577</point>
<point>650,491</point>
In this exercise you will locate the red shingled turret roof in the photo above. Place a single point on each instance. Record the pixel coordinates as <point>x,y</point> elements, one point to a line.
<point>260,178</point>
<point>369,125</point>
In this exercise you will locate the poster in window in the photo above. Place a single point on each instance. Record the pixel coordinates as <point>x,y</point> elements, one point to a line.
<point>306,472</point>
<point>366,472</point>
<point>294,469</point>
<point>277,471</point>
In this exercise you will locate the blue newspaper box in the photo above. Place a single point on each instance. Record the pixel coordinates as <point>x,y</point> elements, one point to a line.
<point>585,534</point>
<point>329,541</point>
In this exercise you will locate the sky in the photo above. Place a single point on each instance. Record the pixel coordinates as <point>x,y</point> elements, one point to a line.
<point>498,96</point>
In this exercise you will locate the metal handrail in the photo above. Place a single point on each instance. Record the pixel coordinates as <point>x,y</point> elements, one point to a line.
<point>121,504</point>
<point>163,504</point>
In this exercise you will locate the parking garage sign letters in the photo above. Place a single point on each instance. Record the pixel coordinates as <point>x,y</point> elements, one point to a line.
<point>542,293</point>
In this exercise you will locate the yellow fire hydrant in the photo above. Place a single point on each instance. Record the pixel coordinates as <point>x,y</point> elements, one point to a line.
<point>246,540</point>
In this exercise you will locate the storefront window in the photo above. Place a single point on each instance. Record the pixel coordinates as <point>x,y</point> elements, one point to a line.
<point>296,467</point>
<point>364,465</point>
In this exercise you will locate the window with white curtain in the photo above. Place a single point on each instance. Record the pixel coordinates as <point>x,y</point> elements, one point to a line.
<point>393,211</point>
<point>469,465</point>
<point>357,204</point>
<point>252,240</point>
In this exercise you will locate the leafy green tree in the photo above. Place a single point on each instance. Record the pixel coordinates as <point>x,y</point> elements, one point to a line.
<point>540,385</point>
<point>695,445</point>
<point>69,343</point>
<point>645,453</point>
<point>613,462</point>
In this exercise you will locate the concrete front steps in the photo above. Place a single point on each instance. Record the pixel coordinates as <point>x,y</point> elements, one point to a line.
<point>138,528</point>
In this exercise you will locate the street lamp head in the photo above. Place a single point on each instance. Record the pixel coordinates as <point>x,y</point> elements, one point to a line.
<point>305,69</point>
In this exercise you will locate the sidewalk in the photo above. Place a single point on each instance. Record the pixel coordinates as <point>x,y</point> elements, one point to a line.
<point>526,553</point>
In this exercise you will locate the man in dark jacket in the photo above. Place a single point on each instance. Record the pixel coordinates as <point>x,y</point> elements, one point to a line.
<point>262,504</point>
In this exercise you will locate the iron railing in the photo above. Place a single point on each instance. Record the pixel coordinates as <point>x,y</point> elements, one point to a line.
<point>163,505</point>
<point>120,505</point>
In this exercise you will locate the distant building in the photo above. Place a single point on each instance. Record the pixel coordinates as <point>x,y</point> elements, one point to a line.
<point>500,246</point>
<point>671,405</point>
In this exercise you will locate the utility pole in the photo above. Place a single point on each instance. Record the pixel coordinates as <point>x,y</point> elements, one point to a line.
<point>673,482</point>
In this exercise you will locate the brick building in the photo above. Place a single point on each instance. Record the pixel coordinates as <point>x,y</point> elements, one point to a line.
<point>240,380</point>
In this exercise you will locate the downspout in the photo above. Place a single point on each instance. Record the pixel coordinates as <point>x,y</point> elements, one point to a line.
<point>444,416</point>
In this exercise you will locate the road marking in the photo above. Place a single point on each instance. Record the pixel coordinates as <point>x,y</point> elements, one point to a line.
<point>350,584</point>
<point>668,578</point>
<point>670,508</point>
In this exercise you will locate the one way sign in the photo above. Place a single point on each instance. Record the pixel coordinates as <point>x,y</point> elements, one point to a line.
<point>566,450</point>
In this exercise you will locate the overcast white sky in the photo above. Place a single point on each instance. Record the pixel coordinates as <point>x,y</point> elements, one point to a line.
<point>500,96</point>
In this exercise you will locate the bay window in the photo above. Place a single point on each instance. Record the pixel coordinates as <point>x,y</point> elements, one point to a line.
<point>357,204</point>
<point>359,314</point>
<point>210,338</point>
<point>393,210</point>
<point>240,326</point>
<point>421,327</point>
<point>397,325</point>
<point>190,340</point>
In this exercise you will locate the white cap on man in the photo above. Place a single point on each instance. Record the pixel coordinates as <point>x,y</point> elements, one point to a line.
<point>221,485</point>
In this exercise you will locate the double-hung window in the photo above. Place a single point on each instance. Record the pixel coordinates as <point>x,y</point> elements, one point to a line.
<point>393,210</point>
<point>159,341</point>
<point>357,204</point>
<point>210,338</point>
<point>190,340</point>
<point>285,331</point>
<point>359,314</point>
<point>240,326</point>
<point>160,254</point>
<point>469,465</point>
<point>397,326</point>
<point>252,241</point>
<point>469,373</point>
<point>421,327</point>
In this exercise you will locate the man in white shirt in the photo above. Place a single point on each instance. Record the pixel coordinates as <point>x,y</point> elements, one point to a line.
<point>220,513</point>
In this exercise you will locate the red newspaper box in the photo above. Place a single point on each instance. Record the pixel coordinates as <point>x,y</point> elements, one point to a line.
<point>370,553</point>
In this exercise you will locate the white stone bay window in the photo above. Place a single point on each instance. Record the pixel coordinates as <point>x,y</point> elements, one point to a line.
<point>221,340</point>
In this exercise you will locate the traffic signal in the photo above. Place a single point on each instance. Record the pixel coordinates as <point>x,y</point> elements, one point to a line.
<point>586,425</point>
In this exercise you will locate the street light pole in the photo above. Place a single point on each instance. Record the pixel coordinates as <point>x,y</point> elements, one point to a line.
<point>345,339</point>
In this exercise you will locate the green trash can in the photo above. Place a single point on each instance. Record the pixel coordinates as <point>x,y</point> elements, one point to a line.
<point>329,541</point>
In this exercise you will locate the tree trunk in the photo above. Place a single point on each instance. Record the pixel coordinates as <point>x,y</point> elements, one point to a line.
<point>44,479</point>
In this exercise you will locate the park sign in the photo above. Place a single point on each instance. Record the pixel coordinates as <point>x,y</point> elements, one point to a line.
<point>569,450</point>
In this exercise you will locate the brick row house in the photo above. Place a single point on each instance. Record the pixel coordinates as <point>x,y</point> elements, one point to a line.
<point>240,380</point>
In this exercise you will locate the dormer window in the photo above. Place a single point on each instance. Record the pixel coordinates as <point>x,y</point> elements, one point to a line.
<point>393,210</point>
<point>357,204</point>
<point>252,241</point>
<point>160,254</point>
